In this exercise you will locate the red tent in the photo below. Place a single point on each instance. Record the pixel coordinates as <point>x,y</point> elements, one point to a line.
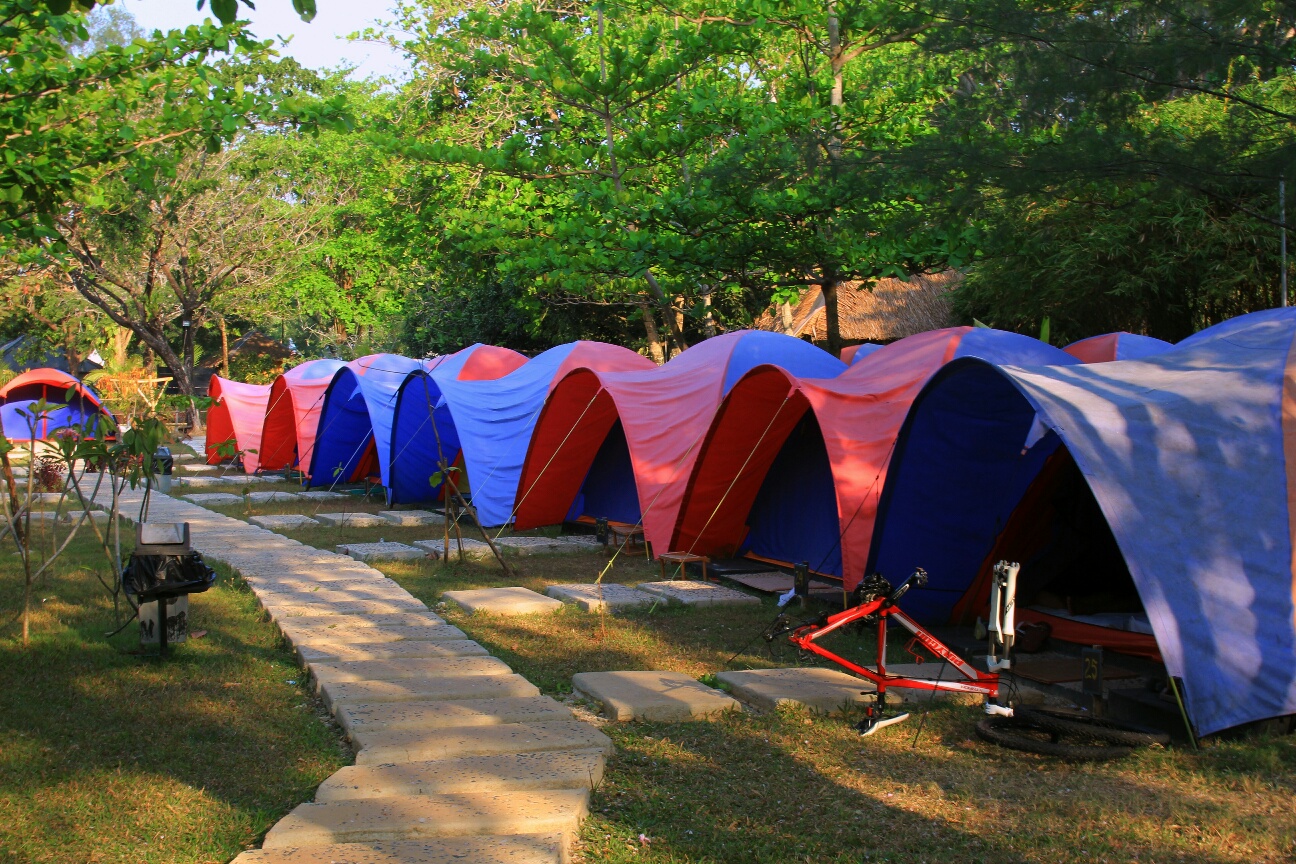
<point>629,439</point>
<point>1116,346</point>
<point>54,386</point>
<point>292,415</point>
<point>235,418</point>
<point>791,469</point>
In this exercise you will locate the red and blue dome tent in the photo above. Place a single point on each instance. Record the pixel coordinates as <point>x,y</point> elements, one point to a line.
<point>1152,494</point>
<point>415,446</point>
<point>1116,346</point>
<point>487,423</point>
<point>620,445</point>
<point>855,353</point>
<point>292,416</point>
<point>234,420</point>
<point>791,468</point>
<point>75,405</point>
<point>353,439</point>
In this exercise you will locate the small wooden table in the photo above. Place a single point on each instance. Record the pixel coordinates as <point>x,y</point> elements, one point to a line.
<point>682,558</point>
<point>628,534</point>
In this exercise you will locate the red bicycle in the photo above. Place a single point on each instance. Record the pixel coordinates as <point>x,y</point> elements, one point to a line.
<point>878,605</point>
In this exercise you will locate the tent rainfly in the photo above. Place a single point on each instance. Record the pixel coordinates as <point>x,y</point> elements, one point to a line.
<point>76,405</point>
<point>1149,497</point>
<point>620,445</point>
<point>234,420</point>
<point>292,416</point>
<point>483,423</point>
<point>791,467</point>
<point>353,438</point>
<point>1116,346</point>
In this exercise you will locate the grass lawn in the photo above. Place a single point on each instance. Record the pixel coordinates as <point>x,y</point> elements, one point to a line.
<point>107,756</point>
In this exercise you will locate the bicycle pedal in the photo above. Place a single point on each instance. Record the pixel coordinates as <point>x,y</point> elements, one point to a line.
<point>869,725</point>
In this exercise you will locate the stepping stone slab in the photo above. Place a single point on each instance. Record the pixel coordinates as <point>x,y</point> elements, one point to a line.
<point>196,469</point>
<point>550,769</point>
<point>320,495</point>
<point>503,601</point>
<point>411,716</point>
<point>824,690</point>
<point>422,633</point>
<point>321,652</point>
<point>366,623</point>
<point>412,518</point>
<point>285,522</point>
<point>214,499</point>
<point>270,497</point>
<point>603,596</point>
<point>378,592</point>
<point>379,586</point>
<point>351,520</point>
<point>363,607</point>
<point>697,593</point>
<point>210,482</point>
<point>341,568</point>
<point>388,551</point>
<point>514,849</point>
<point>471,548</point>
<point>424,690</point>
<point>652,696</point>
<point>547,545</point>
<point>346,671</point>
<point>363,820</point>
<point>427,745</point>
<point>295,585</point>
<point>96,516</point>
<point>51,497</point>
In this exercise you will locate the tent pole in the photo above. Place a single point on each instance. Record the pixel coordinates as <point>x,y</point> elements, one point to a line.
<point>1282,222</point>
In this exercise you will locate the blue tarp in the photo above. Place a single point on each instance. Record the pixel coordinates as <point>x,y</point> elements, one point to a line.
<point>494,421</point>
<point>1186,455</point>
<point>357,411</point>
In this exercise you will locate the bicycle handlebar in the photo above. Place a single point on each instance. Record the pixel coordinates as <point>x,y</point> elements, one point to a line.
<point>917,579</point>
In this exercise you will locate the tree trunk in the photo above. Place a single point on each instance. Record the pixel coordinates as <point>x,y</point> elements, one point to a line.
<point>120,342</point>
<point>830,284</point>
<point>650,327</point>
<point>708,319</point>
<point>225,370</point>
<point>786,310</point>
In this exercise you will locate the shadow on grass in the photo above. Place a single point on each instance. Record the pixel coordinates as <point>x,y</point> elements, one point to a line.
<point>792,787</point>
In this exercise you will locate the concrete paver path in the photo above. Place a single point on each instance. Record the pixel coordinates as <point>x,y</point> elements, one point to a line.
<point>467,761</point>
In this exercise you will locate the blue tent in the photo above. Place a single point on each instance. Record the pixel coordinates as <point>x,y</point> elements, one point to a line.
<point>1190,466</point>
<point>73,405</point>
<point>354,433</point>
<point>442,413</point>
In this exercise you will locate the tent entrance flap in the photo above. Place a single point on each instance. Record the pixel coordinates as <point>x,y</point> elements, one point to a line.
<point>794,517</point>
<point>1073,573</point>
<point>609,490</point>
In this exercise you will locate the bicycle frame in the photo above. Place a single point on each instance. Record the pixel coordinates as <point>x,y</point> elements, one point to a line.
<point>974,680</point>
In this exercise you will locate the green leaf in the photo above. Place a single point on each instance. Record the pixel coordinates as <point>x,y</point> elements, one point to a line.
<point>225,10</point>
<point>59,7</point>
<point>305,8</point>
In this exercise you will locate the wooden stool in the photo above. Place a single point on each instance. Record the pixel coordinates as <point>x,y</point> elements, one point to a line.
<point>629,534</point>
<point>682,558</point>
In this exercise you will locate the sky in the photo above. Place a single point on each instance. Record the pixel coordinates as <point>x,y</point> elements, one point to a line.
<point>319,44</point>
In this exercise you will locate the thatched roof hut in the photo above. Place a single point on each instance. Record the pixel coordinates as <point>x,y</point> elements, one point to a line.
<point>891,310</point>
